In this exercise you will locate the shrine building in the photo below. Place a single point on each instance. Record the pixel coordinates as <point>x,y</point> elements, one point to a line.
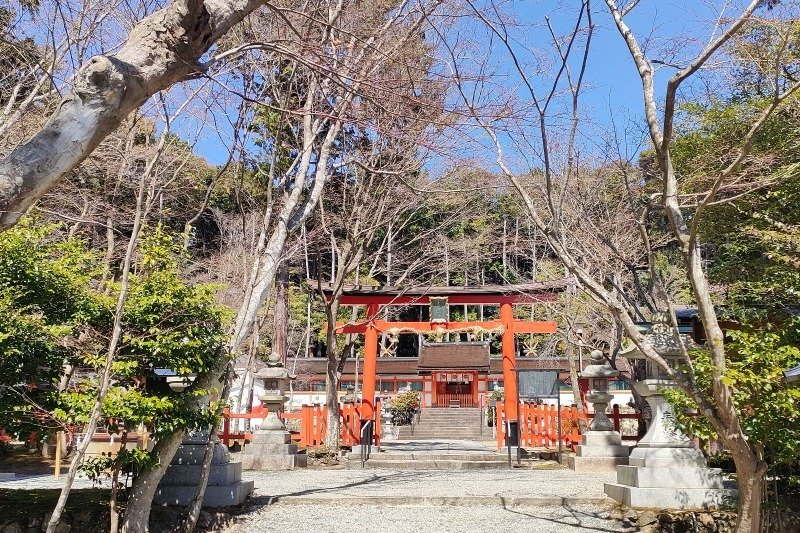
<point>452,344</point>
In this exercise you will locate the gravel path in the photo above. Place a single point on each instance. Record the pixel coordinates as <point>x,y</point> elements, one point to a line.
<point>328,484</point>
<point>48,481</point>
<point>555,500</point>
<point>423,519</point>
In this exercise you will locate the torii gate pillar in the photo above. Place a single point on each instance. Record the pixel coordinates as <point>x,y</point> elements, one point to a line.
<point>370,365</point>
<point>511,392</point>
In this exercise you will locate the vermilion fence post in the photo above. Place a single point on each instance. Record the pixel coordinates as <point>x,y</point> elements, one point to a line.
<point>499,424</point>
<point>378,423</point>
<point>525,424</point>
<point>306,423</point>
<point>615,417</point>
<point>226,426</point>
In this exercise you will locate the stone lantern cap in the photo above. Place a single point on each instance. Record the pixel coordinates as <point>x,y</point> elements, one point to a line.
<point>273,372</point>
<point>599,368</point>
<point>664,339</point>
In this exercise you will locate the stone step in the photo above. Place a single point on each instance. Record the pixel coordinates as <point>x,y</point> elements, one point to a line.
<point>670,498</point>
<point>433,456</point>
<point>450,435</point>
<point>432,464</point>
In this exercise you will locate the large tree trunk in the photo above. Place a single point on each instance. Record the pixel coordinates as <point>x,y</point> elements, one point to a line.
<point>750,474</point>
<point>161,50</point>
<point>140,500</point>
<point>332,374</point>
<point>281,314</point>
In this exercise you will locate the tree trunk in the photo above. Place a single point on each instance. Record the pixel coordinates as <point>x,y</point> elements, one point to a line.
<point>576,388</point>
<point>162,49</point>
<point>750,473</point>
<point>140,500</point>
<point>333,429</point>
<point>281,313</point>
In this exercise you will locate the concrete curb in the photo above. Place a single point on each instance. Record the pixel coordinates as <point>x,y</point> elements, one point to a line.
<point>453,501</point>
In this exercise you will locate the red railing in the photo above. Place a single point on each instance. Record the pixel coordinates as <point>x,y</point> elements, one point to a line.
<point>448,399</point>
<point>538,424</point>
<point>313,424</point>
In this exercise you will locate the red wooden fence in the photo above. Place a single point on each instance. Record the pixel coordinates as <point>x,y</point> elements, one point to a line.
<point>313,424</point>
<point>538,425</point>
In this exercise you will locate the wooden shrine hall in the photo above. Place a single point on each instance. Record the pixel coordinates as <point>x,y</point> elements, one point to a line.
<point>453,368</point>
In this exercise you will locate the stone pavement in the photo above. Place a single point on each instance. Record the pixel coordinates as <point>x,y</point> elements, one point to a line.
<point>48,481</point>
<point>551,499</point>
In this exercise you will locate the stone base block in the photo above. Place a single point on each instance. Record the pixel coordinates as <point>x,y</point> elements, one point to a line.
<point>192,454</point>
<point>272,437</point>
<point>220,474</point>
<point>601,438</point>
<point>607,450</point>
<point>274,462</point>
<point>667,457</point>
<point>268,448</point>
<point>595,464</point>
<point>215,496</point>
<point>698,478</point>
<point>670,498</point>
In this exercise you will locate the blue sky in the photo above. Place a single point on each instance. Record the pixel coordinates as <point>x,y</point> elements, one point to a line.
<point>613,89</point>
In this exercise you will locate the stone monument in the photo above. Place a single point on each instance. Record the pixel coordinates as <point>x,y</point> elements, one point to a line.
<point>272,447</point>
<point>601,448</point>
<point>665,469</point>
<point>179,484</point>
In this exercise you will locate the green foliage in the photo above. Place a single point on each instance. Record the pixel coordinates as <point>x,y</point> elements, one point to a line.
<point>168,324</point>
<point>770,410</point>
<point>48,308</point>
<point>403,407</point>
<point>55,313</point>
<point>759,230</point>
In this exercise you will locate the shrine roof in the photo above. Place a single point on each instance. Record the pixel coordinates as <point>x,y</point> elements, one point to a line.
<point>455,356</point>
<point>517,293</point>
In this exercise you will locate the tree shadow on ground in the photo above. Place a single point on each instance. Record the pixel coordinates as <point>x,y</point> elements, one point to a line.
<point>578,517</point>
<point>256,503</point>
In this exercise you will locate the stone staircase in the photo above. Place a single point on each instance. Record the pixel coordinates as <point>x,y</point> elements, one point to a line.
<point>462,423</point>
<point>432,455</point>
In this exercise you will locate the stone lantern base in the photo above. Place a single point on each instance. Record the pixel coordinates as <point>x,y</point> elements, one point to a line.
<point>272,450</point>
<point>599,451</point>
<point>179,484</point>
<point>669,478</point>
<point>665,470</point>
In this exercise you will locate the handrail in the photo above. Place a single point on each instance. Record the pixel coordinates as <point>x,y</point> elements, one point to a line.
<point>366,449</point>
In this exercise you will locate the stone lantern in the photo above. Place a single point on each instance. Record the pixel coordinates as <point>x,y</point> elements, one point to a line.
<point>276,380</point>
<point>665,469</point>
<point>272,447</point>
<point>601,448</point>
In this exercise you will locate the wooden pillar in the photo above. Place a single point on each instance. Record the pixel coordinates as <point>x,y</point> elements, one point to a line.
<point>509,363</point>
<point>370,365</point>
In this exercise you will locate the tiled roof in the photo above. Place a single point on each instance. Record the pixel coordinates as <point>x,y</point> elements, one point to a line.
<point>456,356</point>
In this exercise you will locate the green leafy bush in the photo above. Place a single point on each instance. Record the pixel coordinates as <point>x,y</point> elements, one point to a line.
<point>403,407</point>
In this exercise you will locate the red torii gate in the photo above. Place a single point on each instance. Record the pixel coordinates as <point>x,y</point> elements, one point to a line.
<point>506,296</point>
